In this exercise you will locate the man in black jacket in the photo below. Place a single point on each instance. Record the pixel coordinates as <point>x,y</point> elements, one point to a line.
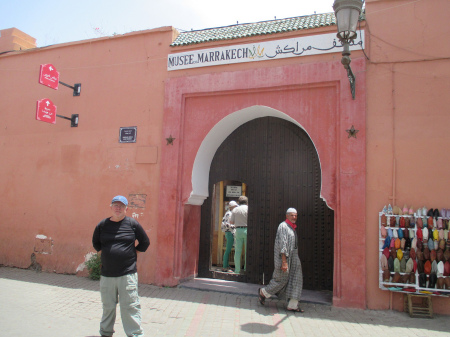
<point>116,238</point>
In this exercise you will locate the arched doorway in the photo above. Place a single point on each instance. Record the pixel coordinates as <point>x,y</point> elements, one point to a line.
<point>280,163</point>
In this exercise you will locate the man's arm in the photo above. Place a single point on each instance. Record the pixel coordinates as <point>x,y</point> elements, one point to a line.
<point>283,245</point>
<point>96,239</point>
<point>142,237</point>
<point>284,264</point>
<point>231,221</point>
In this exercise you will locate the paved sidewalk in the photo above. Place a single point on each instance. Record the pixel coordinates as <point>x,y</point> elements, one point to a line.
<point>249,289</point>
<point>54,305</point>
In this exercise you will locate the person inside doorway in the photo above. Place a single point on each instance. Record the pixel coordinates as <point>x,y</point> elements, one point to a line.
<point>239,217</point>
<point>287,278</point>
<point>229,231</point>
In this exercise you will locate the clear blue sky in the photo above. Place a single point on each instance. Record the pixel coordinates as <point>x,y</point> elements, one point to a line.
<point>59,21</point>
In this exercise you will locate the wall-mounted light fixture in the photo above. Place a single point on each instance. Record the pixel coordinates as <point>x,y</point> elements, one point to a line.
<point>347,13</point>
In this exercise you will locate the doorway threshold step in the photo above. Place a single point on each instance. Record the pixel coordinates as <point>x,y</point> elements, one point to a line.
<point>249,289</point>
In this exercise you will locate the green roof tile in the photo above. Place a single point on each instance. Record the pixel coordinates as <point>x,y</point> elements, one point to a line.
<point>253,29</point>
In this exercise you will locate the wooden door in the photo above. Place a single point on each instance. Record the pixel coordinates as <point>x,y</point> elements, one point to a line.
<point>279,163</point>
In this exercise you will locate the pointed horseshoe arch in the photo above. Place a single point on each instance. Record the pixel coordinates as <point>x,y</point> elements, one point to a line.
<point>209,146</point>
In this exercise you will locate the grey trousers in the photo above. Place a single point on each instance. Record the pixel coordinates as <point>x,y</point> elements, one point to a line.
<point>123,290</point>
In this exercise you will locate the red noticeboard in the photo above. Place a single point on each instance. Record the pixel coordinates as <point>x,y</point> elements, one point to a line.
<point>46,111</point>
<point>49,76</point>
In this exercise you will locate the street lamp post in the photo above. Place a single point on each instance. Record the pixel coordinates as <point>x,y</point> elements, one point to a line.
<point>347,13</point>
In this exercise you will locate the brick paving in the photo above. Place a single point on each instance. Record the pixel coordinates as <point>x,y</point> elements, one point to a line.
<point>55,305</point>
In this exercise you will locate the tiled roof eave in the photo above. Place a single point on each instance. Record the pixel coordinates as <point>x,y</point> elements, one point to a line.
<point>239,31</point>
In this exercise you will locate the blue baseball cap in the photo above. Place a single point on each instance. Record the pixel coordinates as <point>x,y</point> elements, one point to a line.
<point>121,199</point>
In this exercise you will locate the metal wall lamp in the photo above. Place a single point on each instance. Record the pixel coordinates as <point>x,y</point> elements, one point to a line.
<point>347,13</point>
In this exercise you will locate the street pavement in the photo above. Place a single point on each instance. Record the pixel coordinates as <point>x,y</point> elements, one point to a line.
<point>55,305</point>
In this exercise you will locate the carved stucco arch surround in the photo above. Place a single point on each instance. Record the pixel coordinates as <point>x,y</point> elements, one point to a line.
<point>216,136</point>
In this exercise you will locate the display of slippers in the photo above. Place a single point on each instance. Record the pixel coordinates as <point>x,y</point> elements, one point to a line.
<point>261,297</point>
<point>414,256</point>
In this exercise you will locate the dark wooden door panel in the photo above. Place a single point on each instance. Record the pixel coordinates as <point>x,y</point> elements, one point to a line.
<point>279,163</point>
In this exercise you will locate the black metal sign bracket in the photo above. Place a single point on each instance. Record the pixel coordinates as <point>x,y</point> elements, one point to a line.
<point>73,120</point>
<point>76,88</point>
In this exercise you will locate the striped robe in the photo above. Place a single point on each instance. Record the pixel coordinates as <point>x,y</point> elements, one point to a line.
<point>286,285</point>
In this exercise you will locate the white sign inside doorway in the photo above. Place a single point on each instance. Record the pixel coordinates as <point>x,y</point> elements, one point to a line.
<point>234,191</point>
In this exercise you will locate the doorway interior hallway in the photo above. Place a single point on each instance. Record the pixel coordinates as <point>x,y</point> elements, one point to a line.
<point>223,193</point>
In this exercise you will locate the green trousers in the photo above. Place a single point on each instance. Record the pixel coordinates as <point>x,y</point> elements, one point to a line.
<point>122,290</point>
<point>230,241</point>
<point>241,243</point>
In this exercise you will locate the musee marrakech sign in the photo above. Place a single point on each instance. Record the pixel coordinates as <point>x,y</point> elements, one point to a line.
<point>271,50</point>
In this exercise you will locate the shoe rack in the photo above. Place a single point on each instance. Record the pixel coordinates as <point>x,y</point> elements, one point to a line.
<point>393,224</point>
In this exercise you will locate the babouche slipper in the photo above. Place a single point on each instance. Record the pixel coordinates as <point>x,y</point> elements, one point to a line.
<point>261,297</point>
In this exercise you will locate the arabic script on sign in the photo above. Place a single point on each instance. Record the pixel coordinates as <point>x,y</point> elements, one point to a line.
<point>49,76</point>
<point>46,111</point>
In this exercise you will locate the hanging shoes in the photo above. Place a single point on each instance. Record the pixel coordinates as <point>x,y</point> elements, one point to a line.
<point>432,281</point>
<point>430,222</point>
<point>436,213</point>
<point>405,209</point>
<point>383,220</point>
<point>390,209</point>
<point>422,280</point>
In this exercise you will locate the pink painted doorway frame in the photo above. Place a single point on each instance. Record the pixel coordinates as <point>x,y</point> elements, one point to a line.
<point>317,97</point>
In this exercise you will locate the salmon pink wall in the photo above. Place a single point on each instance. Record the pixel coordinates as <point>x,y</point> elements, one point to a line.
<point>317,96</point>
<point>58,181</point>
<point>408,85</point>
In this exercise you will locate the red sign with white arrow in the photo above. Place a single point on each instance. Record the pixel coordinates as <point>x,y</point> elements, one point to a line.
<point>49,76</point>
<point>46,111</point>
